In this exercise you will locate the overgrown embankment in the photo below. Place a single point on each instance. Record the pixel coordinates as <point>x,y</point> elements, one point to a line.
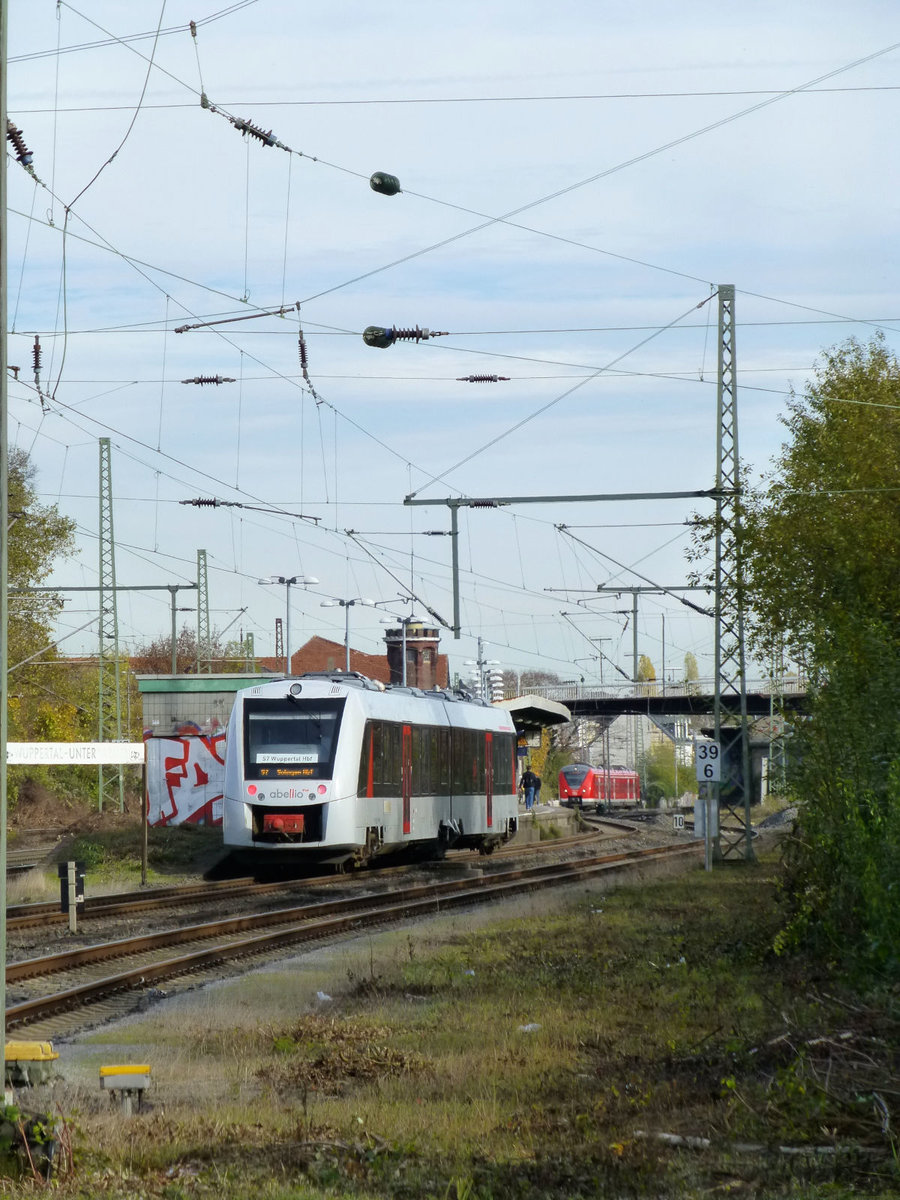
<point>644,1042</point>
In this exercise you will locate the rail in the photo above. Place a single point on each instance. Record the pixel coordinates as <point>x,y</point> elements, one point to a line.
<point>259,933</point>
<point>48,912</point>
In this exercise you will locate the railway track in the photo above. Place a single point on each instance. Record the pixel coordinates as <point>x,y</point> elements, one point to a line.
<point>20,861</point>
<point>91,975</point>
<point>119,904</point>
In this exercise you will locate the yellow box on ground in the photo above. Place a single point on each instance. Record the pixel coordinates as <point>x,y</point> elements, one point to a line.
<point>28,1062</point>
<point>125,1078</point>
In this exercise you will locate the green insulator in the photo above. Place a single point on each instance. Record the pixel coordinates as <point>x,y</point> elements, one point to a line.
<point>388,185</point>
<point>375,335</point>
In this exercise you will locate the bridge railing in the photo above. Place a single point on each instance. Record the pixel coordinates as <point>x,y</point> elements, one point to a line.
<point>563,692</point>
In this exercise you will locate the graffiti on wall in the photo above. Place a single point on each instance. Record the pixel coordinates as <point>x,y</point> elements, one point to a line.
<point>186,779</point>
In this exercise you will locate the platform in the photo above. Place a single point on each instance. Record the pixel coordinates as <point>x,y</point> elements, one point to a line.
<point>543,816</point>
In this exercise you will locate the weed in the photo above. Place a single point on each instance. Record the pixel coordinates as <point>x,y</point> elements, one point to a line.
<point>548,832</point>
<point>492,1059</point>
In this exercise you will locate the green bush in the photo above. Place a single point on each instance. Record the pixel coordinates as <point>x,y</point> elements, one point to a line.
<point>843,882</point>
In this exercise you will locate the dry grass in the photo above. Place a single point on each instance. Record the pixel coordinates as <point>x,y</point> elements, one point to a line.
<point>31,887</point>
<point>536,1055</point>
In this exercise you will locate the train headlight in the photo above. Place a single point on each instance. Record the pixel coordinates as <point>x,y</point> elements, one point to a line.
<point>296,689</point>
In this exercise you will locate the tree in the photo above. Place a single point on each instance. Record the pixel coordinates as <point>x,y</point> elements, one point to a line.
<point>155,657</point>
<point>646,669</point>
<point>38,536</point>
<point>44,697</point>
<point>691,674</point>
<point>647,675</point>
<point>660,773</point>
<point>821,545</point>
<point>821,539</point>
<point>533,681</point>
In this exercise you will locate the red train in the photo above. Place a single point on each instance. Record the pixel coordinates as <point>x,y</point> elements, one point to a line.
<point>606,787</point>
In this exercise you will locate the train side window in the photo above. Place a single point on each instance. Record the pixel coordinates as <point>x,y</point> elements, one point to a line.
<point>385,760</point>
<point>362,783</point>
<point>392,759</point>
<point>468,761</point>
<point>432,751</point>
<point>478,763</point>
<point>422,779</point>
<point>504,748</point>
<point>458,757</point>
<point>377,744</point>
<point>443,779</point>
<point>419,782</point>
<point>429,739</point>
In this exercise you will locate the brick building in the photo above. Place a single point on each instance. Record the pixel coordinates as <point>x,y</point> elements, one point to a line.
<point>425,666</point>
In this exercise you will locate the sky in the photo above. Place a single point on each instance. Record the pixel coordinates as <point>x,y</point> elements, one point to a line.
<point>639,155</point>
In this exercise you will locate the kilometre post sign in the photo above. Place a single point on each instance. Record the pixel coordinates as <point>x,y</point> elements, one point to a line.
<point>708,760</point>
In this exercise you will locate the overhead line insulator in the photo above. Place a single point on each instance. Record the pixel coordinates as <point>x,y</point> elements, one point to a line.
<point>201,379</point>
<point>36,362</point>
<point>14,135</point>
<point>482,379</point>
<point>381,337</point>
<point>304,367</point>
<point>266,137</point>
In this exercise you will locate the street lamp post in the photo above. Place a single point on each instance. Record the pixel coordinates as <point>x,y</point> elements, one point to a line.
<point>346,605</point>
<point>288,581</point>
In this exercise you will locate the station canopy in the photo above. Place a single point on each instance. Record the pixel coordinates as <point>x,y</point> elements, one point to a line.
<point>532,713</point>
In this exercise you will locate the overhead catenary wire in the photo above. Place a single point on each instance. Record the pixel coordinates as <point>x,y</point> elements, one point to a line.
<point>630,162</point>
<point>112,39</point>
<point>551,403</point>
<point>492,220</point>
<point>771,99</point>
<point>651,582</point>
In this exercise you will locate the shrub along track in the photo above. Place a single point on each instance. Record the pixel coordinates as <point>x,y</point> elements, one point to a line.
<point>85,986</point>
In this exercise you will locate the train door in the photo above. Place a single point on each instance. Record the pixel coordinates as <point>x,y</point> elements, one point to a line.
<point>406,777</point>
<point>489,777</point>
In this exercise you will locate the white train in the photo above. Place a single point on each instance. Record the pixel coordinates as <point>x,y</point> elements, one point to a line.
<point>337,768</point>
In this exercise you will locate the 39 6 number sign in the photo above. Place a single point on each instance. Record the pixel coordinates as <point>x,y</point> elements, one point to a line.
<point>708,758</point>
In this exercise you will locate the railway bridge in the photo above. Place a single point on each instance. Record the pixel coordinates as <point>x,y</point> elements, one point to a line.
<point>657,699</point>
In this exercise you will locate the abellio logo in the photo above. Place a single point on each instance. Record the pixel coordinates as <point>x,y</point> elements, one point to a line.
<point>290,794</point>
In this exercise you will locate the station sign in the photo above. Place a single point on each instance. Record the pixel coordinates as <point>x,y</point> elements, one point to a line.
<point>74,754</point>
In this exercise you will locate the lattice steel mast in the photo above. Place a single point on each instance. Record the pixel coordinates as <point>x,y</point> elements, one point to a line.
<point>110,687</point>
<point>733,793</point>
<point>204,645</point>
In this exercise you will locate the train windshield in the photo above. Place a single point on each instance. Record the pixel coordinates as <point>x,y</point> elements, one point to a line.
<point>291,739</point>
<point>575,775</point>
